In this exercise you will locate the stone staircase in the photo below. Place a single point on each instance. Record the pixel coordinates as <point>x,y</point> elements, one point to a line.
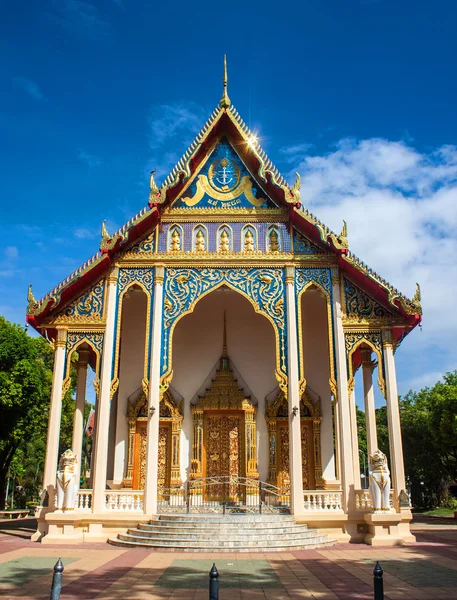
<point>229,533</point>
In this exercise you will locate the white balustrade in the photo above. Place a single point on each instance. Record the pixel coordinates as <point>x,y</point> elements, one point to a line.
<point>124,501</point>
<point>322,500</point>
<point>84,500</point>
<point>363,501</point>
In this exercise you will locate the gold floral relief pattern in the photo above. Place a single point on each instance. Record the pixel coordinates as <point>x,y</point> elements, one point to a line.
<point>143,435</point>
<point>304,456</point>
<point>263,287</point>
<point>163,470</point>
<point>223,449</point>
<point>360,306</point>
<point>284,472</point>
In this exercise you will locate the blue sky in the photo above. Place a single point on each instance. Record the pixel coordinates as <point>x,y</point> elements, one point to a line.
<point>359,96</point>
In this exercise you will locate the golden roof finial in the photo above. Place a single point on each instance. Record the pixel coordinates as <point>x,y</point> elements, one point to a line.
<point>417,296</point>
<point>224,341</point>
<point>225,100</point>
<point>105,234</point>
<point>31,300</point>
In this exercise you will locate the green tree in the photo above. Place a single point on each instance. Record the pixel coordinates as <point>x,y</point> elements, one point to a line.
<point>26,365</point>
<point>429,429</point>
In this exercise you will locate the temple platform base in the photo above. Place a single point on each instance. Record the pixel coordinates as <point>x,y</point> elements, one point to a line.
<point>391,529</point>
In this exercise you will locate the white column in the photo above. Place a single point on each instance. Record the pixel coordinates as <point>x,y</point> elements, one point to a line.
<point>344,418</point>
<point>152,446</point>
<point>393,416</point>
<point>78,420</point>
<point>355,441</point>
<point>55,412</point>
<point>295,462</point>
<point>103,408</point>
<point>368,391</point>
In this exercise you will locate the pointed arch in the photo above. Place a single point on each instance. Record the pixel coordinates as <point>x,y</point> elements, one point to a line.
<point>255,242</point>
<point>220,242</point>
<point>200,227</point>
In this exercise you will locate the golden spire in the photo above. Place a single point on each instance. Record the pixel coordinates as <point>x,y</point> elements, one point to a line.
<point>225,100</point>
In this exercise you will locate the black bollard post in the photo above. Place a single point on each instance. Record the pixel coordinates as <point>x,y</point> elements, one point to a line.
<point>56,586</point>
<point>213,583</point>
<point>378,583</point>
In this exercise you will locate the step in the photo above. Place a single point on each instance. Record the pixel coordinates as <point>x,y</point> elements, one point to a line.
<point>213,519</point>
<point>181,530</point>
<point>298,541</point>
<point>194,548</point>
<point>209,538</point>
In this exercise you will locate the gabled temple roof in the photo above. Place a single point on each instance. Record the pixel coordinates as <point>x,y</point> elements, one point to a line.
<point>224,121</point>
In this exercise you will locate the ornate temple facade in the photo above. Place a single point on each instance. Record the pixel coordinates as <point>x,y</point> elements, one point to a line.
<point>225,324</point>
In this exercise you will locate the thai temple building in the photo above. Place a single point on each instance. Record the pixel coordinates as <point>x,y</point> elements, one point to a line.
<point>224,324</point>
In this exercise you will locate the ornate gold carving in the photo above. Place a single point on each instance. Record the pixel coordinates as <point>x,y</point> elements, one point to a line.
<point>273,239</point>
<point>159,274</point>
<point>156,196</point>
<point>335,273</point>
<point>108,242</point>
<point>229,214</point>
<point>113,388</point>
<point>387,338</point>
<point>61,339</point>
<point>200,244</point>
<point>249,243</point>
<point>290,274</point>
<point>112,276</point>
<point>32,302</point>
<point>205,187</point>
<point>175,240</point>
<point>224,241</point>
<point>170,412</point>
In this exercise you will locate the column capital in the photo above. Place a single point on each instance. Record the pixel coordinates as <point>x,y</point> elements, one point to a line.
<point>159,274</point>
<point>83,358</point>
<point>335,274</point>
<point>365,355</point>
<point>387,340</point>
<point>290,274</point>
<point>61,339</point>
<point>113,276</point>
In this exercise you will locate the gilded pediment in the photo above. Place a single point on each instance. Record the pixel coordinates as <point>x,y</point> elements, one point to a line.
<point>87,308</point>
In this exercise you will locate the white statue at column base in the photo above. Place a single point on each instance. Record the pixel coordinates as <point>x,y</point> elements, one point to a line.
<point>67,486</point>
<point>379,482</point>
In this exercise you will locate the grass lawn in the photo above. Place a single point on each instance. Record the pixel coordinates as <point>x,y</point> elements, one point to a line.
<point>440,511</point>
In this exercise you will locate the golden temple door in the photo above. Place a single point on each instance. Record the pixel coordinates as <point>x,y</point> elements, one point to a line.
<point>307,448</point>
<point>223,451</point>
<point>164,468</point>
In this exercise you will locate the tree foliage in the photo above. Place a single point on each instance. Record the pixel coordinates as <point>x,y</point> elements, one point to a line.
<point>429,427</point>
<point>26,365</point>
<point>429,433</point>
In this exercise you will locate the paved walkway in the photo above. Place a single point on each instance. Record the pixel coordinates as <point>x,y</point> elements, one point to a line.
<point>426,570</point>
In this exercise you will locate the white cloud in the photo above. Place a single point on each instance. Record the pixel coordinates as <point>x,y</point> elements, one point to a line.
<point>401,209</point>
<point>84,234</point>
<point>179,120</point>
<point>79,16</point>
<point>11,252</point>
<point>91,160</point>
<point>30,87</point>
<point>172,126</point>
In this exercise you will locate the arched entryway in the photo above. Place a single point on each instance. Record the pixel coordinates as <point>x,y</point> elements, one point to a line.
<point>197,350</point>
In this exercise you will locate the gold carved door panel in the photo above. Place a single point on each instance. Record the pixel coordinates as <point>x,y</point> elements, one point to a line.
<point>164,466</point>
<point>307,447</point>
<point>223,451</point>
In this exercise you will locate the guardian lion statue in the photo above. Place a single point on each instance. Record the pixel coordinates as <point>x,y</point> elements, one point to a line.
<point>67,485</point>
<point>379,482</point>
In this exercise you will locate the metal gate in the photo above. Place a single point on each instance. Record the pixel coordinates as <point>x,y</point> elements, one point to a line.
<point>224,495</point>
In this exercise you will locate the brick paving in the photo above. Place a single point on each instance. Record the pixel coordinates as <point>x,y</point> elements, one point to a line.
<point>426,570</point>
